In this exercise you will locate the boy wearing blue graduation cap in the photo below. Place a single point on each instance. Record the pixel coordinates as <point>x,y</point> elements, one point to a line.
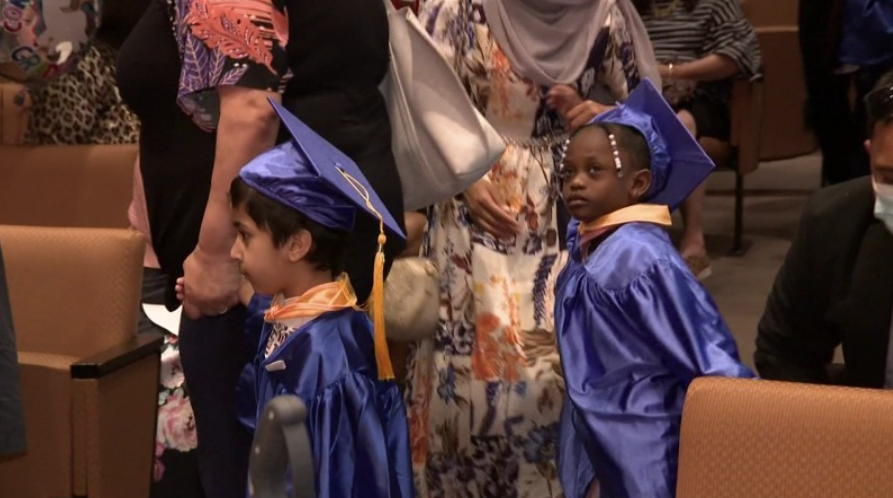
<point>634,326</point>
<point>294,208</point>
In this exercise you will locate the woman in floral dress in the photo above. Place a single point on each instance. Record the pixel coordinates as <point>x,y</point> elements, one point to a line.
<point>484,396</point>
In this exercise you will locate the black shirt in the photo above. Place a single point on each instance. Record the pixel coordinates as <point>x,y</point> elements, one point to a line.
<point>337,52</point>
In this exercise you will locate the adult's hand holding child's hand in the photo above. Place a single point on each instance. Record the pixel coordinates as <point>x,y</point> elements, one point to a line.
<point>210,285</point>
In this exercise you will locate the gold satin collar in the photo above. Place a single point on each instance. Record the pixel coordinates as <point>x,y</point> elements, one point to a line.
<point>332,296</point>
<point>642,213</point>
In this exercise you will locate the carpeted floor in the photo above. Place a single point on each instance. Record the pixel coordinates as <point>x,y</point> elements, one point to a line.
<point>775,196</point>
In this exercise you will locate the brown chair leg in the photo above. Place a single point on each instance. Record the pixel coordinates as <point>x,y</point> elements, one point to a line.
<point>739,245</point>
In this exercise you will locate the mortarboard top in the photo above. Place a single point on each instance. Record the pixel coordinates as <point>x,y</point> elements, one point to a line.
<point>310,175</point>
<point>678,163</point>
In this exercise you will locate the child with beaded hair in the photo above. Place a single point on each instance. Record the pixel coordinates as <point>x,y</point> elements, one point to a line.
<point>634,326</point>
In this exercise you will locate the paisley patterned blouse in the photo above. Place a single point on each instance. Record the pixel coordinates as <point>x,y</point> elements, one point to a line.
<point>228,43</point>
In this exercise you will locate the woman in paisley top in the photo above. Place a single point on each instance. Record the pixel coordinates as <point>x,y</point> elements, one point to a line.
<point>198,74</point>
<point>484,395</point>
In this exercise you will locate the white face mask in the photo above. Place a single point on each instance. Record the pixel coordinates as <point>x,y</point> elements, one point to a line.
<point>883,204</point>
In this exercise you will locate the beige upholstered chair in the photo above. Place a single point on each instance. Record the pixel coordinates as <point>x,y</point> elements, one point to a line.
<point>755,438</point>
<point>89,383</point>
<point>59,185</point>
<point>66,185</point>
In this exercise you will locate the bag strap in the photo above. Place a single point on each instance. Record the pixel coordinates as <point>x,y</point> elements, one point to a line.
<point>466,39</point>
<point>466,12</point>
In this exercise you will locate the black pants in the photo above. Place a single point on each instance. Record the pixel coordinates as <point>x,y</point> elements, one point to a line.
<point>213,352</point>
<point>839,126</point>
<point>180,478</point>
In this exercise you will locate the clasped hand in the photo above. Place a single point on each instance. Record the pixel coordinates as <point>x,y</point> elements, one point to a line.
<point>210,284</point>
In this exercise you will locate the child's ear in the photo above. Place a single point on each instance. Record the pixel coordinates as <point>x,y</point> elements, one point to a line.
<point>298,245</point>
<point>641,182</point>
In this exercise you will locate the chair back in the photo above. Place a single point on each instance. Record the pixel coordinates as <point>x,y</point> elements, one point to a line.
<point>747,438</point>
<point>66,185</point>
<point>73,291</point>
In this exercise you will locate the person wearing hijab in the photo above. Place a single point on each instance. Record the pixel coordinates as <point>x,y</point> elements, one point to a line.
<point>634,326</point>
<point>484,395</point>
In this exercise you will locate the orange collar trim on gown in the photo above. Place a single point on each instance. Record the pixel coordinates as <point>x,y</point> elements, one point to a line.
<point>642,213</point>
<point>333,296</point>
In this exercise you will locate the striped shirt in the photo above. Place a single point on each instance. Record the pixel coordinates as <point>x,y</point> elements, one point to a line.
<point>712,27</point>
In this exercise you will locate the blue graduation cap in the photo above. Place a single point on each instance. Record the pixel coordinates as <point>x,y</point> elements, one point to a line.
<point>310,175</point>
<point>678,163</point>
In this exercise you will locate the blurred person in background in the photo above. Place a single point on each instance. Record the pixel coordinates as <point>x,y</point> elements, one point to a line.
<point>845,45</point>
<point>701,46</point>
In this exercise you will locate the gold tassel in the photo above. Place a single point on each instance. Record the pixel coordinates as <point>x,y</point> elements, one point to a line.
<point>382,355</point>
<point>375,304</point>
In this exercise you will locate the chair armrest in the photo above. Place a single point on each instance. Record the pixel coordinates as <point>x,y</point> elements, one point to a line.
<point>111,360</point>
<point>746,116</point>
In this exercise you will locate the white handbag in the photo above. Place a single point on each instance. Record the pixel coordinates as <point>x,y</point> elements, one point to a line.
<point>442,144</point>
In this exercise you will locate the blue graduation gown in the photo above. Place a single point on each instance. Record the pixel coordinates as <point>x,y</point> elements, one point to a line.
<point>634,328</point>
<point>357,424</point>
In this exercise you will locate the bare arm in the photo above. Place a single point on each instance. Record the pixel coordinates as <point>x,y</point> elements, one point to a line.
<point>415,232</point>
<point>713,67</point>
<point>731,43</point>
<point>248,126</point>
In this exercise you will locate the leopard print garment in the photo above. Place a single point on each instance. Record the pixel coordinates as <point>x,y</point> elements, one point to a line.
<point>83,107</point>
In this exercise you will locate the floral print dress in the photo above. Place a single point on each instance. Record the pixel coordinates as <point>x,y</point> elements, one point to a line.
<point>175,433</point>
<point>484,395</point>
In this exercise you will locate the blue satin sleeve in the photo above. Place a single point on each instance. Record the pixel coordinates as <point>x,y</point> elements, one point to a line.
<point>246,389</point>
<point>356,440</point>
<point>671,310</point>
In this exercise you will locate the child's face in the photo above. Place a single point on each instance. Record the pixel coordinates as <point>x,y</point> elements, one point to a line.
<point>589,182</point>
<point>263,264</point>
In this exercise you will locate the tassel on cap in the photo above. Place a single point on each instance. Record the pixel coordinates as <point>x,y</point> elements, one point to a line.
<point>375,304</point>
<point>375,307</point>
